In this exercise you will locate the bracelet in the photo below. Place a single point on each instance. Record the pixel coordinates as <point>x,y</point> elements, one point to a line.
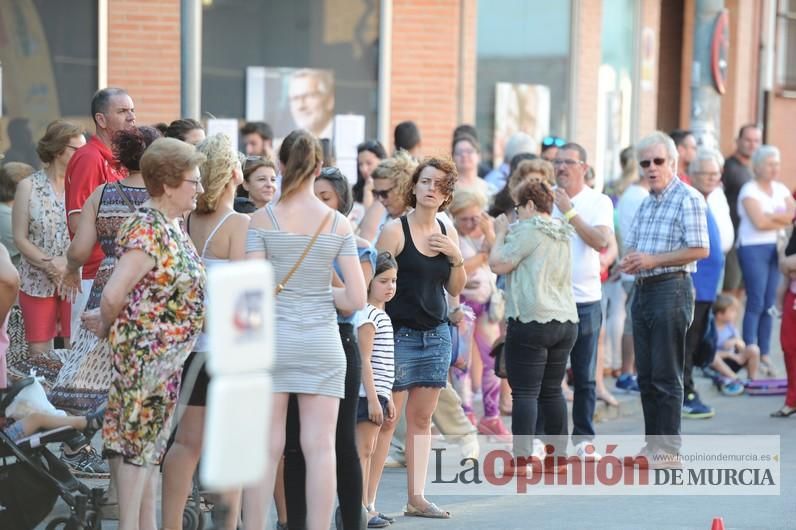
<point>570,214</point>
<point>459,264</point>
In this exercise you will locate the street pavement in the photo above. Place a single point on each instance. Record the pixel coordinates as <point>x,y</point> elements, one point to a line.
<point>746,415</point>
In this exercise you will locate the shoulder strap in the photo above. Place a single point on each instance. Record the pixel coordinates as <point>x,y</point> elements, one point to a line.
<point>442,227</point>
<point>270,212</point>
<point>281,285</point>
<point>213,232</point>
<point>124,196</point>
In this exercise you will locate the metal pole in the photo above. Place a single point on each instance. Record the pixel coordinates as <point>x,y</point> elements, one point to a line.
<point>385,73</point>
<point>191,58</point>
<point>705,98</point>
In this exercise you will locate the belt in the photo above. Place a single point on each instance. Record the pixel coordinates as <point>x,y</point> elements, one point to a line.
<point>647,280</point>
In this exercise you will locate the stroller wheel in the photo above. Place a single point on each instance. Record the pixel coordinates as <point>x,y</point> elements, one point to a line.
<point>192,518</point>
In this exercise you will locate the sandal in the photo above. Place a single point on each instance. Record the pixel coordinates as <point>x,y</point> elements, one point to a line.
<point>387,518</point>
<point>377,522</point>
<point>432,511</point>
<point>784,412</point>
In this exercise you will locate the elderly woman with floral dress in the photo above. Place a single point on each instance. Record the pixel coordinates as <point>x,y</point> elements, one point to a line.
<point>152,310</point>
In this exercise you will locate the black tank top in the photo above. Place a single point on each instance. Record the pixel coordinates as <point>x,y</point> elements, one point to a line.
<point>419,301</point>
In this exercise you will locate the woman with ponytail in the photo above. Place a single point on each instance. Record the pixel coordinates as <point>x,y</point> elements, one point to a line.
<point>219,233</point>
<point>309,357</point>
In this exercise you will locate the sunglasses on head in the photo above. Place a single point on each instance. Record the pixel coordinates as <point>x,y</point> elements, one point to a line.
<point>550,141</point>
<point>331,172</point>
<point>657,161</point>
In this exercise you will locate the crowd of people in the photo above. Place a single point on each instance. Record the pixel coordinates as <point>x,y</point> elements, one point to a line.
<point>435,293</point>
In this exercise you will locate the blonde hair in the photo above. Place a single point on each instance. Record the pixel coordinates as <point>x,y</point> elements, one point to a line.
<point>165,162</point>
<point>216,171</point>
<point>528,167</point>
<point>55,139</point>
<point>300,153</point>
<point>463,199</point>
<point>398,169</point>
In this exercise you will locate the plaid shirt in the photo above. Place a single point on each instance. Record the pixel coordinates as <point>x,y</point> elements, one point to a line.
<point>669,221</point>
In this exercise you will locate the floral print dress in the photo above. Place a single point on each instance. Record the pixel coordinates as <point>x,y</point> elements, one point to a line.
<point>151,338</point>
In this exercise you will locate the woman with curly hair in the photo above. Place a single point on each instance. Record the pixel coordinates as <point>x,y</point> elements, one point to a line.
<point>219,233</point>
<point>431,264</point>
<point>83,381</point>
<point>391,179</point>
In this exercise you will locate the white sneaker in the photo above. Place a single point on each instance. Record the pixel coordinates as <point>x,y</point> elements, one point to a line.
<point>538,449</point>
<point>587,450</point>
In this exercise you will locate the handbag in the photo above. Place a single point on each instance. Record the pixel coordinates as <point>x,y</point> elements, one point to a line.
<point>499,354</point>
<point>281,285</point>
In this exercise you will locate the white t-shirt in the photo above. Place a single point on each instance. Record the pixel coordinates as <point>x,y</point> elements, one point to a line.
<point>626,209</point>
<point>720,208</point>
<point>595,209</point>
<point>748,234</point>
<point>382,360</point>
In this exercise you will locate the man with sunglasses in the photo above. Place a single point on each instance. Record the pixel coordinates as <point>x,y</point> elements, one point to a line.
<point>668,235</point>
<point>591,214</point>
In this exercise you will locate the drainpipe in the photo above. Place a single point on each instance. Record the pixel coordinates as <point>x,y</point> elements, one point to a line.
<point>191,58</point>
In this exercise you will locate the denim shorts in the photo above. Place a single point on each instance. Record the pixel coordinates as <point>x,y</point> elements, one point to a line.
<point>362,408</point>
<point>422,358</point>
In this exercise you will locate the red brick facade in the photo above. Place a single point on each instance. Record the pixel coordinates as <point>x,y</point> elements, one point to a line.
<point>144,55</point>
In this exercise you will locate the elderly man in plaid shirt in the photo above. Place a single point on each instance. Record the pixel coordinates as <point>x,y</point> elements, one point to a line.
<point>669,235</point>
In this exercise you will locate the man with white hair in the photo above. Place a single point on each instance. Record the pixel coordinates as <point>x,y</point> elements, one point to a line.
<point>669,234</point>
<point>519,142</point>
<point>311,94</point>
<point>705,173</point>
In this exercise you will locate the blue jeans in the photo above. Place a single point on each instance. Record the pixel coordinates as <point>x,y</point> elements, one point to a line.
<point>761,277</point>
<point>662,314</point>
<point>583,360</point>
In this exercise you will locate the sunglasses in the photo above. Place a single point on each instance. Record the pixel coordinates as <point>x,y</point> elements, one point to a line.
<point>331,172</point>
<point>382,194</point>
<point>550,141</point>
<point>647,163</point>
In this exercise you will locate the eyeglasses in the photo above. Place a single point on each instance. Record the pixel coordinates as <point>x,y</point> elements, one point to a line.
<point>464,152</point>
<point>382,194</point>
<point>74,147</point>
<point>196,182</point>
<point>646,163</point>
<point>473,219</point>
<point>566,162</point>
<point>550,141</point>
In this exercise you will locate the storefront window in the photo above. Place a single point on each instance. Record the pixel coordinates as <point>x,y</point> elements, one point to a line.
<point>48,52</point>
<point>297,49</point>
<point>522,42</point>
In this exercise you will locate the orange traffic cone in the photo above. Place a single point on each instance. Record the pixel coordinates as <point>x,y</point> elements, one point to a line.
<point>718,524</point>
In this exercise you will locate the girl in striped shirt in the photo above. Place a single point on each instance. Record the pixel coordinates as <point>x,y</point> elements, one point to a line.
<point>375,405</point>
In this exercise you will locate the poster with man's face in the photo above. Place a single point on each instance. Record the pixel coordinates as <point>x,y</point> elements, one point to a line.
<point>291,98</point>
<point>519,107</point>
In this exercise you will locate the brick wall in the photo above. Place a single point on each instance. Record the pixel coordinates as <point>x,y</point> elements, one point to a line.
<point>586,58</point>
<point>426,71</point>
<point>144,55</point>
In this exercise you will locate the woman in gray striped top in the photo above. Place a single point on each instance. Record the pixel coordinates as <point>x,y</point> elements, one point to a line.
<point>309,358</point>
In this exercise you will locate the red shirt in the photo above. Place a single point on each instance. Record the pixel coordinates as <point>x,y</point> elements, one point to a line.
<point>92,165</point>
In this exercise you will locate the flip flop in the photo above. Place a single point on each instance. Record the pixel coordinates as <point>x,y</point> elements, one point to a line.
<point>377,522</point>
<point>432,511</point>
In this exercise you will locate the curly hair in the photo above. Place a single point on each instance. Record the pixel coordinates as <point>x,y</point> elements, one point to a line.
<point>129,145</point>
<point>447,185</point>
<point>55,139</point>
<point>398,170</point>
<point>216,171</point>
<point>537,191</point>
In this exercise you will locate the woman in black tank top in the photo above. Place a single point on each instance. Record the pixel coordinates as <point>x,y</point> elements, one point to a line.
<point>429,264</point>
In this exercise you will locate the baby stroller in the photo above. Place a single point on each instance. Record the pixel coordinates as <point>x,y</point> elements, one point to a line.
<point>32,479</point>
